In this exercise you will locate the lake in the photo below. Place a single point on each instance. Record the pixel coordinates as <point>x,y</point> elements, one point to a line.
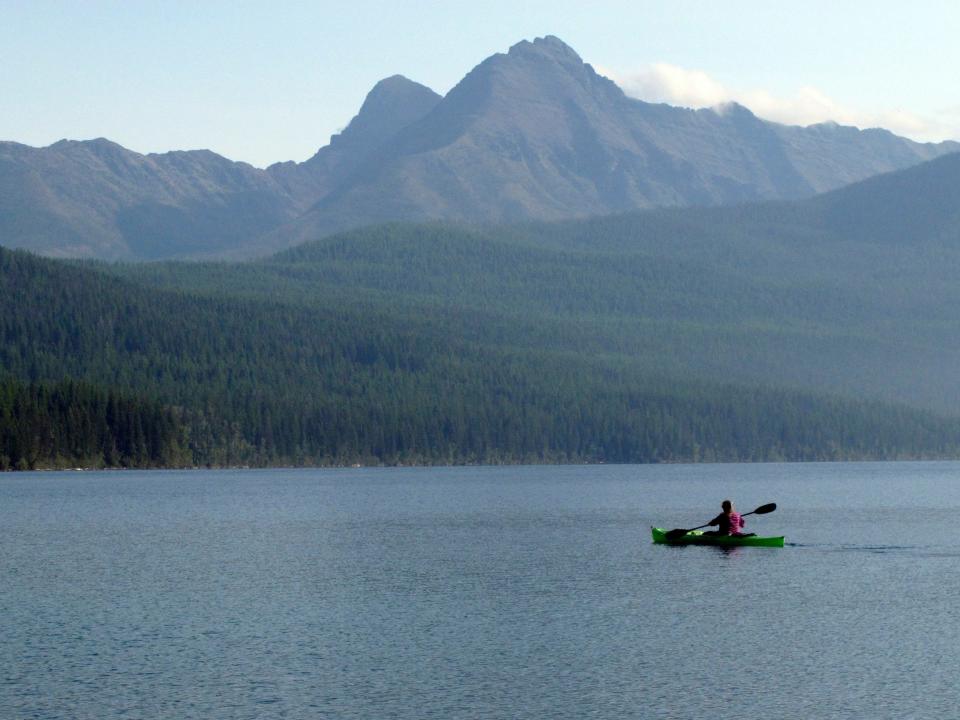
<point>507,592</point>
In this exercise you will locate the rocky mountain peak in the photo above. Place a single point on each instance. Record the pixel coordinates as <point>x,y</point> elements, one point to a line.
<point>392,104</point>
<point>100,147</point>
<point>548,46</point>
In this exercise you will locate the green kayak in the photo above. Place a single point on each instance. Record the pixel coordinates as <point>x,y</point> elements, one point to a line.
<point>697,537</point>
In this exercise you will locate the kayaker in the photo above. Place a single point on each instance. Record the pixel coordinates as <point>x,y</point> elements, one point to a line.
<point>729,522</point>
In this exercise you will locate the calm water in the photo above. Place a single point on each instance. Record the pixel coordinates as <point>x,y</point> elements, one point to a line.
<point>527,592</point>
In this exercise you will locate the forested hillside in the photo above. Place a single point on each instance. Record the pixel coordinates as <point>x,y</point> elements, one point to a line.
<point>737,295</point>
<point>426,344</point>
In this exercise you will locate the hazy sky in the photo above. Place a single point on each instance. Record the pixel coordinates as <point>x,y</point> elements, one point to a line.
<point>270,81</point>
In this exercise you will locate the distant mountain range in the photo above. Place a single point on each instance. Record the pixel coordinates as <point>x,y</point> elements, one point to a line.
<point>533,134</point>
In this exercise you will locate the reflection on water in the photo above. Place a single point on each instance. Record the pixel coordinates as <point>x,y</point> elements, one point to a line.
<point>478,593</point>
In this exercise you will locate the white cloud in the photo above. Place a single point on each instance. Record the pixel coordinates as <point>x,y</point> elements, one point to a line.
<point>674,85</point>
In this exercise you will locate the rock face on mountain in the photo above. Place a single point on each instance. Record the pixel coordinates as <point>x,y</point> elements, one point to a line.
<point>533,133</point>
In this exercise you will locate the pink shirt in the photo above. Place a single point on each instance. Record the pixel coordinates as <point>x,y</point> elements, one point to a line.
<point>736,523</point>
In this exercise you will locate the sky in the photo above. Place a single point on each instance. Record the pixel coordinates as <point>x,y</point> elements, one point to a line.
<point>264,82</point>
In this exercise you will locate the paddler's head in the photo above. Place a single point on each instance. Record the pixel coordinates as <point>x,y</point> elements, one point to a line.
<point>727,506</point>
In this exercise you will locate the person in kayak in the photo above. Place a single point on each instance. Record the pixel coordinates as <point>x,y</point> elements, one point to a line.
<point>729,522</point>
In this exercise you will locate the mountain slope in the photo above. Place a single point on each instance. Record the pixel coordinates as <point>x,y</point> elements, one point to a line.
<point>389,107</point>
<point>917,205</point>
<point>780,293</point>
<point>95,198</point>
<point>536,133</point>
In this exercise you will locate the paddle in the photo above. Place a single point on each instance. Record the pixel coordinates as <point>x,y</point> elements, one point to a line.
<point>680,532</point>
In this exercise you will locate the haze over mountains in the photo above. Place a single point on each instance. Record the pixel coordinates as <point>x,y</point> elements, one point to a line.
<point>532,134</point>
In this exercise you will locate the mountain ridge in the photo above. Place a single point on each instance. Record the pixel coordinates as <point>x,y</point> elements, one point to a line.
<point>531,134</point>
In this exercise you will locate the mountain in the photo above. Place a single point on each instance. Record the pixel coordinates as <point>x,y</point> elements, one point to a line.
<point>390,106</point>
<point>97,199</point>
<point>918,205</point>
<point>537,133</point>
<point>534,133</point>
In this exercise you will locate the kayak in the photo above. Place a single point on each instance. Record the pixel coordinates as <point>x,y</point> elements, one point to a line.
<point>697,537</point>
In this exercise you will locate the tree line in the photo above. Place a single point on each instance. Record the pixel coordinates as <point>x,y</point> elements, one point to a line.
<point>70,424</point>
